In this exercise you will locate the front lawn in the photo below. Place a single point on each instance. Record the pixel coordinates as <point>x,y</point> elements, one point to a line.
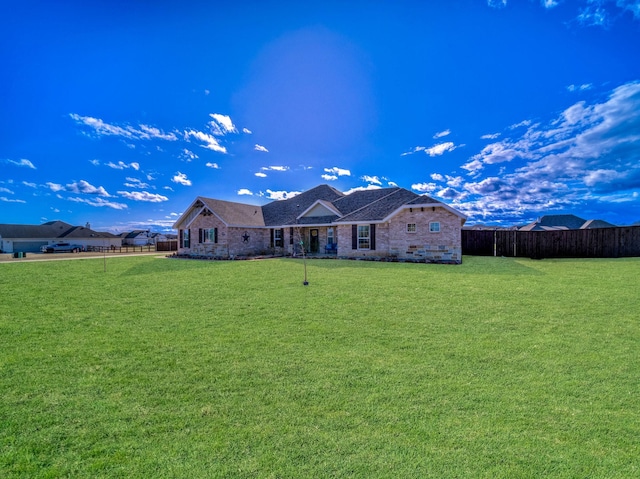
<point>496,368</point>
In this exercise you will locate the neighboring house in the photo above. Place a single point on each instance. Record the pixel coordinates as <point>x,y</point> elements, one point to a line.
<point>30,238</point>
<point>386,223</point>
<point>144,238</point>
<point>564,222</point>
<point>136,238</point>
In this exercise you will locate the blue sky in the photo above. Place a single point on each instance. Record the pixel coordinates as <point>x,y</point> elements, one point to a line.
<point>121,113</point>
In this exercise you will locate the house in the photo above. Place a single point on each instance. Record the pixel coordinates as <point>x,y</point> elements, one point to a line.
<point>136,238</point>
<point>30,238</point>
<point>564,222</point>
<point>385,223</point>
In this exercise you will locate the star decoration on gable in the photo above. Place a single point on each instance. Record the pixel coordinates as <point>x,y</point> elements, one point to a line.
<point>245,237</point>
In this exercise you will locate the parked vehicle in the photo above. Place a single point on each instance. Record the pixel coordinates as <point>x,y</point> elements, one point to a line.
<point>62,248</point>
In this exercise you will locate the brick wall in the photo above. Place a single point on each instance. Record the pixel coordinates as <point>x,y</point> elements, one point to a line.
<point>393,240</point>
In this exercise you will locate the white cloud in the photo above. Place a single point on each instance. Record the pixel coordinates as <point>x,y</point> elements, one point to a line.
<point>435,150</point>
<point>454,181</point>
<point>583,87</point>
<point>437,177</point>
<point>593,15</point>
<point>260,148</point>
<point>549,3</point>
<point>261,175</point>
<point>244,192</point>
<point>362,188</point>
<point>30,185</point>
<point>521,124</point>
<point>371,179</point>
<point>150,132</point>
<point>181,179</point>
<point>337,171</point>
<point>121,165</point>
<point>99,202</point>
<point>497,3</point>
<point>22,162</point>
<point>143,196</point>
<point>442,133</point>
<point>215,166</point>
<point>87,188</point>
<point>188,155</point>
<point>143,132</point>
<point>588,152</point>
<point>491,136</point>
<point>55,187</point>
<point>135,183</point>
<point>329,177</point>
<point>440,149</point>
<point>95,162</point>
<point>209,141</point>
<point>275,168</point>
<point>6,190</point>
<point>8,200</point>
<point>424,187</point>
<point>221,124</point>
<point>247,131</point>
<point>281,195</point>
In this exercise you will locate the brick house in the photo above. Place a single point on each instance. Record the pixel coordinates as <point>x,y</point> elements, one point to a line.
<point>386,223</point>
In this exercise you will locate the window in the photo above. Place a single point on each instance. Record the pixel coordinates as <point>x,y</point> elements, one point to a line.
<point>434,227</point>
<point>330,236</point>
<point>364,237</point>
<point>186,243</point>
<point>209,235</point>
<point>278,240</point>
<point>411,228</point>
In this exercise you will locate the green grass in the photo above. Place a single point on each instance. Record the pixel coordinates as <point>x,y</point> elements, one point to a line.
<point>496,368</point>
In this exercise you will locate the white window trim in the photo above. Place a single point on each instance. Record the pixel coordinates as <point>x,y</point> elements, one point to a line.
<point>367,237</point>
<point>432,225</point>
<point>415,228</point>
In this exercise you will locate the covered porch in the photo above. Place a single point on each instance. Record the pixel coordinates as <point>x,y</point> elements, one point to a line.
<point>318,241</point>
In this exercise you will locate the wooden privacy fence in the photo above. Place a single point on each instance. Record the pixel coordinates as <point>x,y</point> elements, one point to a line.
<point>587,243</point>
<point>167,245</point>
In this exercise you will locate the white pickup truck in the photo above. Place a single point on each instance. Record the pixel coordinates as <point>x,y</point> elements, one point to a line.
<point>62,248</point>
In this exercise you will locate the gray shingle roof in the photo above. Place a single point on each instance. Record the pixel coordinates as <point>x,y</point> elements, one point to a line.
<point>51,229</point>
<point>374,207</point>
<point>235,214</point>
<point>285,212</point>
<point>365,205</point>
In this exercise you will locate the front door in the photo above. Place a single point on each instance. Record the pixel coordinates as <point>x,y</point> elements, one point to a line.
<point>314,241</point>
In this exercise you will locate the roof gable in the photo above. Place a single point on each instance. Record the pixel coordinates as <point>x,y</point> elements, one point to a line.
<point>286,212</point>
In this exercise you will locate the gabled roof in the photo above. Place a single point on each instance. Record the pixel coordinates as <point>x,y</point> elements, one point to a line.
<point>234,214</point>
<point>564,222</point>
<point>373,205</point>
<point>592,224</point>
<point>51,229</point>
<point>285,212</point>
<point>317,206</point>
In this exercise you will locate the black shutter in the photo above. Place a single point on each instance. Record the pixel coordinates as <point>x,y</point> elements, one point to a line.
<point>281,238</point>
<point>271,241</point>
<point>215,235</point>
<point>291,235</point>
<point>354,236</point>
<point>181,239</point>
<point>200,236</point>
<point>372,232</point>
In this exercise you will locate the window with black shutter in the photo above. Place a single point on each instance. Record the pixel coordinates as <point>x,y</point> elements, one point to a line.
<point>372,236</point>
<point>354,236</point>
